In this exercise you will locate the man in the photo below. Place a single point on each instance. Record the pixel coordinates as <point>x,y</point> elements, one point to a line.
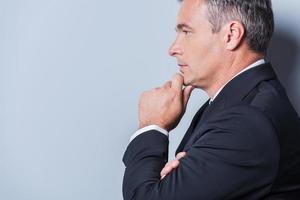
<point>244,143</point>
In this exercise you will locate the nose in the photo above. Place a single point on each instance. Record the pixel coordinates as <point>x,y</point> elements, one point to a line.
<point>175,50</point>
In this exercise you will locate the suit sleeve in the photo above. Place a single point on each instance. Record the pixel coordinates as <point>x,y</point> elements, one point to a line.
<point>236,155</point>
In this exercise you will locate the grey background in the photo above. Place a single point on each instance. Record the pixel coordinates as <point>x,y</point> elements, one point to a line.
<point>71,72</point>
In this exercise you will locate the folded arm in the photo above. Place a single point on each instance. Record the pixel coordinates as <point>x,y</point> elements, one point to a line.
<point>235,156</point>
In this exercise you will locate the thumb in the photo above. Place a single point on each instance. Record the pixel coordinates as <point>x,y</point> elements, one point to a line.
<point>186,94</point>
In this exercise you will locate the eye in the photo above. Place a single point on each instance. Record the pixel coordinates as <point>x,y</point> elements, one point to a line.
<point>186,32</point>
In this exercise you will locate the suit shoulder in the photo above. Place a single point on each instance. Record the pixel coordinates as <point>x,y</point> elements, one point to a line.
<point>271,100</point>
<point>243,119</point>
<point>243,113</point>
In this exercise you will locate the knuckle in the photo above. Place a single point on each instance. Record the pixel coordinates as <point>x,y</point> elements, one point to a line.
<point>144,94</point>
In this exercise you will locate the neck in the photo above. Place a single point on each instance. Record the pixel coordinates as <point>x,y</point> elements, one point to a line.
<point>229,69</point>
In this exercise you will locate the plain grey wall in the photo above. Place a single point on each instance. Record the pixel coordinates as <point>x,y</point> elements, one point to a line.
<point>71,72</point>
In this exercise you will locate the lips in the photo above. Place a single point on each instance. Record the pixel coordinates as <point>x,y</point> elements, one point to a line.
<point>182,66</point>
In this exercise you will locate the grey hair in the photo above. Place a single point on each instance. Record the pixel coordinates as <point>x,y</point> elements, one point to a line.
<point>255,15</point>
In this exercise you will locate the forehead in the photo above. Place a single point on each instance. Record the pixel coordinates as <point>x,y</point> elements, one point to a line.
<point>191,11</point>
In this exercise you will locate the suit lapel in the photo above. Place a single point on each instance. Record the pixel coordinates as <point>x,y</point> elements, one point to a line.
<point>192,126</point>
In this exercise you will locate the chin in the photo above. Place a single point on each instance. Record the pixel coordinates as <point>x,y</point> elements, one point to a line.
<point>186,82</point>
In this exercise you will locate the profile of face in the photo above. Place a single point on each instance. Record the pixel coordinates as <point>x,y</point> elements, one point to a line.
<point>197,48</point>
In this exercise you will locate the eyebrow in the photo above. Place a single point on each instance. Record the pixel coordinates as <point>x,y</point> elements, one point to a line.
<point>182,26</point>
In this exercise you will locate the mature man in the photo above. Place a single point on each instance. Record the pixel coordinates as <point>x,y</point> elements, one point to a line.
<point>244,142</point>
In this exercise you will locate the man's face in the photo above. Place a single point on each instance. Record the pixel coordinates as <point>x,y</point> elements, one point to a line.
<point>198,50</point>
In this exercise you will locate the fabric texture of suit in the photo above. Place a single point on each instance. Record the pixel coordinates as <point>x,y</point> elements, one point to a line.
<point>244,145</point>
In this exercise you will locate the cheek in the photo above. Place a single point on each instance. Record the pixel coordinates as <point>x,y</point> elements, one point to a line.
<point>202,52</point>
<point>201,56</point>
<point>203,62</point>
<point>207,52</point>
<point>201,48</point>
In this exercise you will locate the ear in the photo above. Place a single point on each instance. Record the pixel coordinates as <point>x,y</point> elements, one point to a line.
<point>234,34</point>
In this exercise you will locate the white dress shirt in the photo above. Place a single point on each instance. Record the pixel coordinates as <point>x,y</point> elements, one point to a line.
<point>165,132</point>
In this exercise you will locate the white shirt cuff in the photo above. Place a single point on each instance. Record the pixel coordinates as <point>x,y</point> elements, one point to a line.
<point>148,128</point>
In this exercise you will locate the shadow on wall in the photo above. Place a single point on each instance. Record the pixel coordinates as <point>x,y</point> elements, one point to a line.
<point>283,53</point>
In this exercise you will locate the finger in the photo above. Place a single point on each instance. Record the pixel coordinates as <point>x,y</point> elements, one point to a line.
<point>166,167</point>
<point>169,167</point>
<point>168,84</point>
<point>166,170</point>
<point>174,164</point>
<point>186,94</point>
<point>177,82</point>
<point>180,155</point>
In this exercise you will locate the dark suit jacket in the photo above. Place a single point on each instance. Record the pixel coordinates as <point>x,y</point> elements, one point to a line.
<point>245,145</point>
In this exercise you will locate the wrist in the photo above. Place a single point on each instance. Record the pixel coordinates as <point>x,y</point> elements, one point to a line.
<point>143,125</point>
